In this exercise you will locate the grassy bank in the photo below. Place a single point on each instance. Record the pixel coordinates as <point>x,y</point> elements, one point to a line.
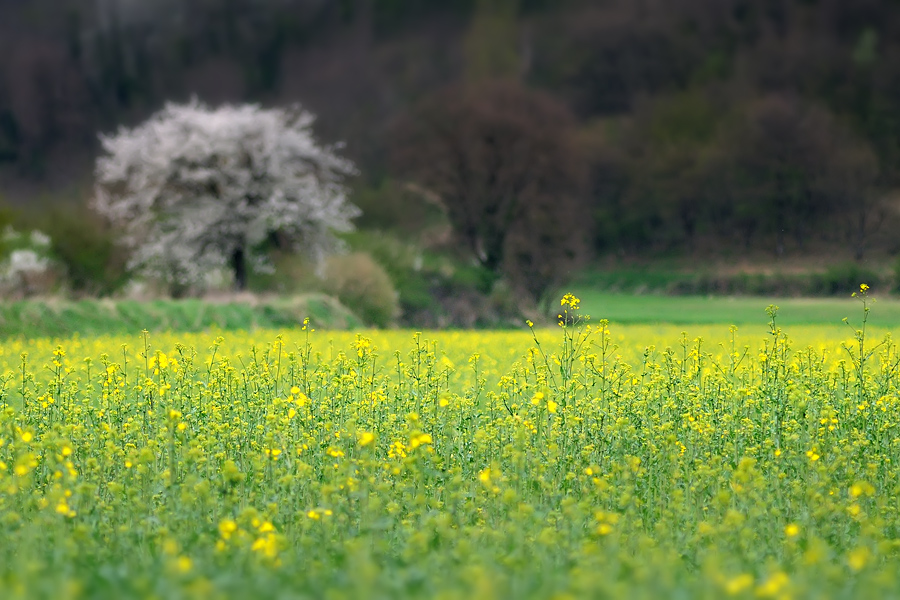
<point>58,318</point>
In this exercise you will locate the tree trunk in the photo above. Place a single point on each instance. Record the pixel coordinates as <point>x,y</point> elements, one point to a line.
<point>239,266</point>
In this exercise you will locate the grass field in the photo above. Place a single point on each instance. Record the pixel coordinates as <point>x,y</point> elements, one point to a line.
<point>98,317</point>
<point>623,461</point>
<point>689,310</point>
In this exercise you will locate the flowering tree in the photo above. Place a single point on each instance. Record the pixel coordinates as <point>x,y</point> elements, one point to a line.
<point>28,267</point>
<point>195,189</point>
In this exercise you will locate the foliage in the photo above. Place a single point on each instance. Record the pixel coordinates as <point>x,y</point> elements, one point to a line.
<point>581,462</point>
<point>767,172</point>
<point>391,206</point>
<point>84,247</point>
<point>195,189</point>
<point>439,286</point>
<point>409,266</point>
<point>363,285</point>
<point>491,45</point>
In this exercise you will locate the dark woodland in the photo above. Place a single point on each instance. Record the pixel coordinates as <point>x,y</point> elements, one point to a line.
<point>549,130</point>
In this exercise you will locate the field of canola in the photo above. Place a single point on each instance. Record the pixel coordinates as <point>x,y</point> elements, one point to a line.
<point>586,461</point>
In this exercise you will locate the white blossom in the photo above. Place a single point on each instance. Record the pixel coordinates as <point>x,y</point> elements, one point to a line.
<point>40,239</point>
<point>25,261</point>
<point>195,189</point>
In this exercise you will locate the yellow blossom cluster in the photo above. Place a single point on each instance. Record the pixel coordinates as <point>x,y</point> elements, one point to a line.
<point>596,461</point>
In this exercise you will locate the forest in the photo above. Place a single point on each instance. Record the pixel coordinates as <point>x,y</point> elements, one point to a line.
<point>765,128</point>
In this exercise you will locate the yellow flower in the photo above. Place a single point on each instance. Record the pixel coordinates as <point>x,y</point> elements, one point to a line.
<point>792,530</point>
<point>861,488</point>
<point>184,564</point>
<point>420,440</point>
<point>266,527</point>
<point>226,528</point>
<point>551,406</point>
<point>485,476</point>
<point>858,558</point>
<point>570,301</point>
<point>366,438</point>
<point>267,546</point>
<point>27,436</point>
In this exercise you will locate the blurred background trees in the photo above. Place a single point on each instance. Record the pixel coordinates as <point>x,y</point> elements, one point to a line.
<point>765,128</point>
<point>503,161</point>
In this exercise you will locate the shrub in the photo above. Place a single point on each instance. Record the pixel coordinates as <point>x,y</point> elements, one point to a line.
<point>364,287</point>
<point>405,264</point>
<point>86,249</point>
<point>28,268</point>
<point>843,278</point>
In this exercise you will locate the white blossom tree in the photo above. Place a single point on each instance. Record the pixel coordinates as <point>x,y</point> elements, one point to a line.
<point>195,189</point>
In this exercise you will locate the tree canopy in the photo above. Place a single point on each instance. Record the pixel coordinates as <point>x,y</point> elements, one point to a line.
<point>195,189</point>
<point>503,160</point>
<point>663,94</point>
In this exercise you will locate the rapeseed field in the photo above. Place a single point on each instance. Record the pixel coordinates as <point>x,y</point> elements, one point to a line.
<point>583,461</point>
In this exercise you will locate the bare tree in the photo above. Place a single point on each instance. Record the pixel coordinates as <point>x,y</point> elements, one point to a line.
<point>498,155</point>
